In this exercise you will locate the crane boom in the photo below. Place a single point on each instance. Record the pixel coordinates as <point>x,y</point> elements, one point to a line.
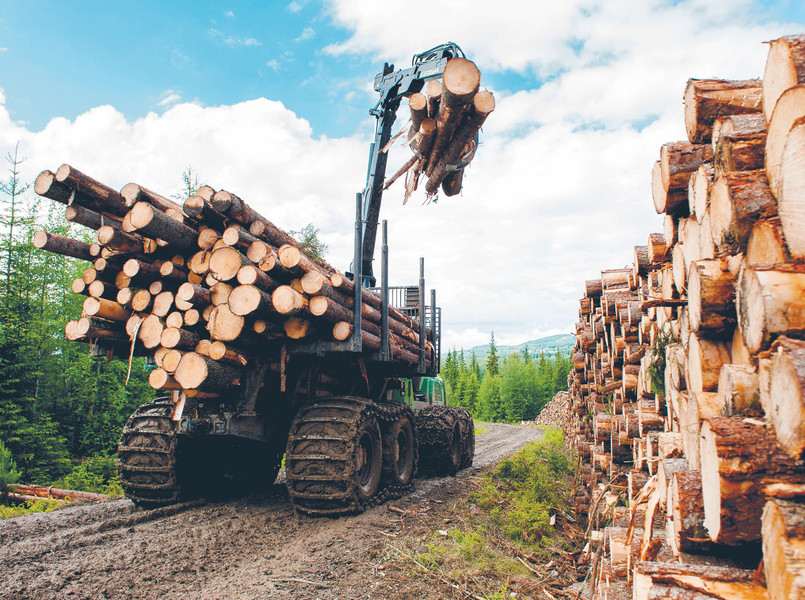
<point>392,86</point>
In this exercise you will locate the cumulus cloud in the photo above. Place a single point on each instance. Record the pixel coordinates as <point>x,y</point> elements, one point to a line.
<point>3,50</point>
<point>230,14</point>
<point>560,187</point>
<point>294,6</point>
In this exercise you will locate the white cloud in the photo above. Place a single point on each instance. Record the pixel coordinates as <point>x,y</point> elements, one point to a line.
<point>307,34</point>
<point>230,14</point>
<point>233,41</point>
<point>294,6</point>
<point>169,98</point>
<point>273,64</point>
<point>3,50</point>
<point>559,189</point>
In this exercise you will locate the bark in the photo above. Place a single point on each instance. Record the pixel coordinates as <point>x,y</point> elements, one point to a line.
<point>235,235</point>
<point>686,513</point>
<point>152,222</point>
<point>200,372</point>
<point>195,294</point>
<point>90,193</point>
<point>46,185</point>
<point>657,248</point>
<point>738,458</point>
<point>706,100</point>
<point>202,211</point>
<point>112,237</point>
<point>175,337</point>
<point>711,298</point>
<point>483,103</point>
<point>695,582</point>
<point>252,275</point>
<point>89,218</point>
<point>62,245</point>
<point>133,193</point>
<point>740,152</point>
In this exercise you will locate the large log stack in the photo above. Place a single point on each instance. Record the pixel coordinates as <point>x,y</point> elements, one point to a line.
<point>206,287</point>
<point>688,387</point>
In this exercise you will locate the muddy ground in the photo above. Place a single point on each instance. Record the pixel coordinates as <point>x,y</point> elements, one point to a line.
<point>249,548</point>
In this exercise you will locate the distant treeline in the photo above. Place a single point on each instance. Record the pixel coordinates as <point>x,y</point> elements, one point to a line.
<point>511,388</point>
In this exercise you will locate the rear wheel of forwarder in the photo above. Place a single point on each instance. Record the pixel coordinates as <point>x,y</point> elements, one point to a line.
<point>400,448</point>
<point>467,427</point>
<point>333,460</point>
<point>147,455</point>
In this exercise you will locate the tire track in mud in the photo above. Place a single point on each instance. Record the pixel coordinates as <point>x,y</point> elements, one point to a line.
<point>247,548</point>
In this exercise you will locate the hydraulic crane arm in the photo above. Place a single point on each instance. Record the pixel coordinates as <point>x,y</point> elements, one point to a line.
<point>392,86</point>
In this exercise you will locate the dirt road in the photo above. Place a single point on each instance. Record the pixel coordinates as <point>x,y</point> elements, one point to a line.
<point>250,548</point>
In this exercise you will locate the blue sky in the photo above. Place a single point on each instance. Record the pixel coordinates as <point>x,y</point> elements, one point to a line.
<point>270,100</point>
<point>145,56</point>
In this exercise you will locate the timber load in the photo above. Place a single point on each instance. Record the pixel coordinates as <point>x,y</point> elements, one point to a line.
<point>207,287</point>
<point>687,393</point>
<point>442,132</point>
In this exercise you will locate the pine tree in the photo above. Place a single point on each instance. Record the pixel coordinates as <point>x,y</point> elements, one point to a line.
<point>492,367</point>
<point>9,474</point>
<point>490,407</point>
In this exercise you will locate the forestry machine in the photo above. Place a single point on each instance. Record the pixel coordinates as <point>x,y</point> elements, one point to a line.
<point>354,426</point>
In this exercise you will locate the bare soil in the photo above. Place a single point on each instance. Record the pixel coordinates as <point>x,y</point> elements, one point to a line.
<point>248,548</point>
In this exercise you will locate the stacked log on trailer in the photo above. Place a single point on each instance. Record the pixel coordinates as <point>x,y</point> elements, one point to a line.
<point>688,386</point>
<point>206,287</point>
<point>445,119</point>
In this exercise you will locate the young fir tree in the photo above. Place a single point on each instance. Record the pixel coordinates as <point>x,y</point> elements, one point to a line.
<point>9,474</point>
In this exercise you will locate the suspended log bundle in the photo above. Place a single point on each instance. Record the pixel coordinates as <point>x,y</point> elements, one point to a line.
<point>180,283</point>
<point>714,414</point>
<point>443,128</point>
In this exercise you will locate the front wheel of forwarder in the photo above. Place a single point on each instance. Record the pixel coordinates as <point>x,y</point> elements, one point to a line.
<point>334,457</point>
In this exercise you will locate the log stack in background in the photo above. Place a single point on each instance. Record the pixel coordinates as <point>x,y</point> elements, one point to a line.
<point>688,387</point>
<point>445,119</point>
<point>204,288</point>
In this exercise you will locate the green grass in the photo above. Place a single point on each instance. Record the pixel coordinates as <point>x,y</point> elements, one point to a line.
<point>503,533</point>
<point>9,512</point>
<point>480,430</point>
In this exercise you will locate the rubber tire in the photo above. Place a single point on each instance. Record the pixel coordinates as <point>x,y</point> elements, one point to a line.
<point>453,460</point>
<point>399,439</point>
<point>368,472</point>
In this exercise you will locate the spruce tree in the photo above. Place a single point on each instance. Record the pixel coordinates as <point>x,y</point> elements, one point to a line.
<point>492,367</point>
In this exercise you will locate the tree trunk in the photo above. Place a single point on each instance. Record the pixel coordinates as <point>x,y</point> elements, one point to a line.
<point>224,325</point>
<point>152,222</point>
<point>62,245</point>
<point>705,358</point>
<point>708,99</point>
<point>787,395</point>
<point>785,68</point>
<point>248,299</point>
<point>792,197</point>
<point>740,152</point>
<point>770,303</point>
<point>686,513</point>
<point>711,298</point>
<point>737,200</point>
<point>738,457</point>
<point>695,582</point>
<point>90,193</point>
<point>783,532</point>
<point>200,372</point>
<point>787,112</point>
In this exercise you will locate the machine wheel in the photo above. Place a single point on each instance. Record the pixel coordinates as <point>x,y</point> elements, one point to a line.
<point>147,455</point>
<point>400,447</point>
<point>440,448</point>
<point>334,457</point>
<point>467,438</point>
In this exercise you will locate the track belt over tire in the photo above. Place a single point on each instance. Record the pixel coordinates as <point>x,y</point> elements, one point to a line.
<point>147,455</point>
<point>334,462</point>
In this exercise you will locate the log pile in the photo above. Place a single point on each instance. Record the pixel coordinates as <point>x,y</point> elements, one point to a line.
<point>206,287</point>
<point>688,386</point>
<point>442,132</point>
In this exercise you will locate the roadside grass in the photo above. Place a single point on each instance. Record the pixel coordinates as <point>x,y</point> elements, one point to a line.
<point>513,536</point>
<point>26,508</point>
<point>480,430</point>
